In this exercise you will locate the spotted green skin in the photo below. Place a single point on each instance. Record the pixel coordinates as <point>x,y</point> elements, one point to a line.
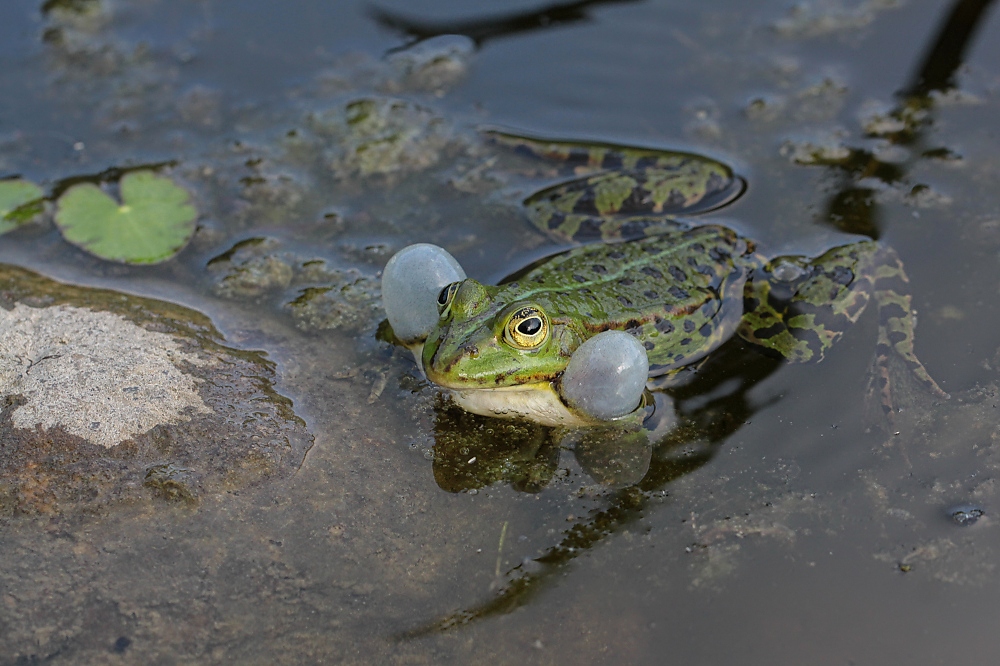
<point>621,193</point>
<point>681,291</point>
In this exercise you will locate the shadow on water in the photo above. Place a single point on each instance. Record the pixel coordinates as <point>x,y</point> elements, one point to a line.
<point>715,404</point>
<point>854,208</point>
<point>482,30</point>
<point>946,55</point>
<point>710,408</point>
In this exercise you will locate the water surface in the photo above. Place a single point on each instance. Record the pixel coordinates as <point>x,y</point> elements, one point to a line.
<point>778,528</point>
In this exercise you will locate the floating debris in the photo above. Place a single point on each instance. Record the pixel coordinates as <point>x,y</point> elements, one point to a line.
<point>964,515</point>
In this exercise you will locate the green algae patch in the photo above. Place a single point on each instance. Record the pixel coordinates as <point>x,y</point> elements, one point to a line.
<point>153,222</point>
<point>74,6</point>
<point>20,201</point>
<point>384,138</point>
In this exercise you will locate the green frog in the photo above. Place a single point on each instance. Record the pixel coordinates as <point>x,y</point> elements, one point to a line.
<point>677,290</point>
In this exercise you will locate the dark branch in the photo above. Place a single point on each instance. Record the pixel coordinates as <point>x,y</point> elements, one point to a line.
<point>482,30</point>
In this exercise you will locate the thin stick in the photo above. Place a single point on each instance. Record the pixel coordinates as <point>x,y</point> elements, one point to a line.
<point>503,535</point>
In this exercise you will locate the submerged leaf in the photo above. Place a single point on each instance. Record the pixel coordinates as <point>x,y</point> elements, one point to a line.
<point>153,223</point>
<point>20,200</point>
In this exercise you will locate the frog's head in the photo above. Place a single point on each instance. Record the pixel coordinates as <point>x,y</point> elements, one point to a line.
<point>484,340</point>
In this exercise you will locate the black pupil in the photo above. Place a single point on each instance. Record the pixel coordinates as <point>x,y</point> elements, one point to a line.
<point>530,326</point>
<point>443,296</point>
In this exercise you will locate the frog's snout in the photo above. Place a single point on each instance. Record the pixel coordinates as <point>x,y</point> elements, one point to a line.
<point>471,299</point>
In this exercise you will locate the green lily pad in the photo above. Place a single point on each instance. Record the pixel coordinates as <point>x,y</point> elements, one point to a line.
<point>153,223</point>
<point>20,200</point>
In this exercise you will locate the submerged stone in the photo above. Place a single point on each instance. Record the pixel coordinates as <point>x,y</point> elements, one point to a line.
<point>318,296</point>
<point>964,515</point>
<point>249,269</point>
<point>826,150</point>
<point>172,482</point>
<point>433,65</point>
<point>99,389</point>
<point>349,303</point>
<point>383,137</point>
<point>97,375</point>
<point>821,17</point>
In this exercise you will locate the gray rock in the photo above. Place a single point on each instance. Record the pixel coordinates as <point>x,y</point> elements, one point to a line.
<point>101,391</point>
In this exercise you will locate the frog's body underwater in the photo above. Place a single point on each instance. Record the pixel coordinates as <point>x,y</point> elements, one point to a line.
<point>677,292</point>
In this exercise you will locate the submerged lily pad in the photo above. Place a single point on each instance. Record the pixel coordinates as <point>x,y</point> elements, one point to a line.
<point>20,200</point>
<point>153,223</point>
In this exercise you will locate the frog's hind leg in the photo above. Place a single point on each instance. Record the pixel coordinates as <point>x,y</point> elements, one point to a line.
<point>895,331</point>
<point>621,192</point>
<point>573,158</point>
<point>800,307</point>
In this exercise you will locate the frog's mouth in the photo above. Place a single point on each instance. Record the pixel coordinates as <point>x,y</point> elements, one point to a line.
<point>537,401</point>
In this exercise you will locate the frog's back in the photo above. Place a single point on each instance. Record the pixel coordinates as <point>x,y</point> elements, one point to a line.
<point>680,293</point>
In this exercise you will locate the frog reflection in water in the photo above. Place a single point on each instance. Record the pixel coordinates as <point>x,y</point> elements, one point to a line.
<point>663,295</point>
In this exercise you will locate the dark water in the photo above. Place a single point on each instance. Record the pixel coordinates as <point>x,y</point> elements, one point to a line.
<point>777,528</point>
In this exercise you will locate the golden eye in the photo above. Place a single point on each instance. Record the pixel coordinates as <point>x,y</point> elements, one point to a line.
<point>445,298</point>
<point>527,328</point>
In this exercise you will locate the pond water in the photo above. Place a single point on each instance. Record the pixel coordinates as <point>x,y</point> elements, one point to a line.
<point>776,525</point>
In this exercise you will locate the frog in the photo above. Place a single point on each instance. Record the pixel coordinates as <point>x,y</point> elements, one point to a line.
<point>662,291</point>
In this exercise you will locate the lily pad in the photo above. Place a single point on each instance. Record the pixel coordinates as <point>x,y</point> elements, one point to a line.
<point>153,223</point>
<point>20,200</point>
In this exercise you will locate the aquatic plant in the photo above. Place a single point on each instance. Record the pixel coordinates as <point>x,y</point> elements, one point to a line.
<point>20,201</point>
<point>153,222</point>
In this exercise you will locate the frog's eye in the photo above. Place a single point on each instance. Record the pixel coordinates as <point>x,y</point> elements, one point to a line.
<point>445,298</point>
<point>526,328</point>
